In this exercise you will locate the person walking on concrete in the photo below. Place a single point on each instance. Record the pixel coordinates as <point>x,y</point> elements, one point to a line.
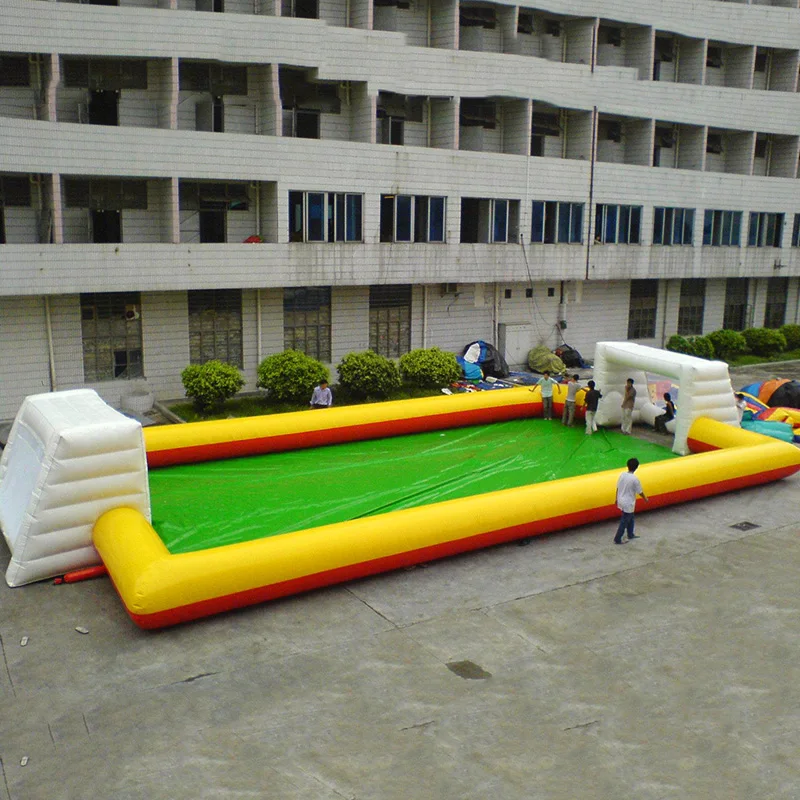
<point>546,384</point>
<point>569,404</point>
<point>591,400</point>
<point>628,488</point>
<point>627,407</point>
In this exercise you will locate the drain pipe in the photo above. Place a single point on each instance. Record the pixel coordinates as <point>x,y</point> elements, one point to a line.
<point>592,159</point>
<point>424,316</point>
<point>50,351</point>
<point>259,349</point>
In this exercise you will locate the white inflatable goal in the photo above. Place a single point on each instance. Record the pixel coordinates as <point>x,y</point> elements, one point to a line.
<point>69,458</point>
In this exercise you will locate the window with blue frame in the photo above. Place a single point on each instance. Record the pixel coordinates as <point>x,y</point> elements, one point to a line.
<point>722,228</point>
<point>325,217</point>
<point>554,222</point>
<point>766,229</point>
<point>489,220</point>
<point>615,224</point>
<point>412,218</point>
<point>673,226</point>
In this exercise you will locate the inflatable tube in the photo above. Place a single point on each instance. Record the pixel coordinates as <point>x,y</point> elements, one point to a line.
<point>159,589</point>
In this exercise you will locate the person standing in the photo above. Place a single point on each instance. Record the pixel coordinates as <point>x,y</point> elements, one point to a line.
<point>569,404</point>
<point>546,384</point>
<point>627,407</point>
<point>741,406</point>
<point>592,399</point>
<point>628,488</point>
<point>321,396</point>
<point>661,420</point>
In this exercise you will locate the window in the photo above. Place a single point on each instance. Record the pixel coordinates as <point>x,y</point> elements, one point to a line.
<point>673,226</point>
<point>103,194</point>
<point>478,113</point>
<point>216,79</point>
<point>15,190</point>
<point>215,326</point>
<point>325,217</point>
<point>692,306</point>
<point>775,311</point>
<point>301,9</point>
<point>555,222</point>
<point>714,57</point>
<point>390,320</point>
<point>111,331</point>
<point>105,74</point>
<point>407,218</point>
<point>714,143</point>
<point>543,125</point>
<point>642,309</point>
<point>477,17</point>
<point>105,199</point>
<point>796,231</point>
<point>307,321</point>
<point>617,224</point>
<point>722,228</point>
<point>765,229</point>
<point>213,201</point>
<point>15,71</point>
<point>525,22</point>
<point>489,221</point>
<point>735,312</point>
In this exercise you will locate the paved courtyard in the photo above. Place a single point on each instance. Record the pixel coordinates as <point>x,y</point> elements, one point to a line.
<point>567,668</point>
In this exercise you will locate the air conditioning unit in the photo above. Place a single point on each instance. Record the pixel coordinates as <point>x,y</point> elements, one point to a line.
<point>131,312</point>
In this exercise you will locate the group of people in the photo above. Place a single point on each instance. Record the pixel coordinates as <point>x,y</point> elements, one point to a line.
<point>592,398</point>
<point>546,384</point>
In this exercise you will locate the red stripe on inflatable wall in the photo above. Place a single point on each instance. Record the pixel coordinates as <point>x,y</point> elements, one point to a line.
<point>353,433</point>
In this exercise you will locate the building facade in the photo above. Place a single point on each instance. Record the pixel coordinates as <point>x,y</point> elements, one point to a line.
<point>183,180</point>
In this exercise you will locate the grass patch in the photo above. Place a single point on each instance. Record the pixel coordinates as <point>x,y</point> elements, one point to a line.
<point>257,405</point>
<point>749,359</point>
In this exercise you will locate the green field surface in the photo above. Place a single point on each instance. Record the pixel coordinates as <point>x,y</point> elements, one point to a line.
<point>199,506</point>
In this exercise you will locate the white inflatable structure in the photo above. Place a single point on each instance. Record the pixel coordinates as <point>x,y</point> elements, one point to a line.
<point>705,386</point>
<point>69,458</point>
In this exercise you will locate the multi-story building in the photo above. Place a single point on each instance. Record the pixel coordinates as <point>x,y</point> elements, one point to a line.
<point>191,179</point>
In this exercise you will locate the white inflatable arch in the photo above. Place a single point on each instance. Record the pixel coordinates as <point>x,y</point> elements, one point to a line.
<point>69,458</point>
<point>705,386</point>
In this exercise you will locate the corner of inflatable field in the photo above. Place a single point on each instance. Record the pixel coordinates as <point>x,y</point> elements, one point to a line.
<point>69,458</point>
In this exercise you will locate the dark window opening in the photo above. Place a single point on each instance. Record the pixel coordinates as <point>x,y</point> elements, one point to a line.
<point>735,312</point>
<point>692,306</point>
<point>775,310</point>
<point>104,107</point>
<point>106,226</point>
<point>212,223</point>
<point>643,308</point>
<point>15,71</point>
<point>525,22</point>
<point>470,220</point>
<point>217,79</point>
<point>478,113</point>
<point>306,124</point>
<point>714,57</point>
<point>477,17</point>
<point>714,143</point>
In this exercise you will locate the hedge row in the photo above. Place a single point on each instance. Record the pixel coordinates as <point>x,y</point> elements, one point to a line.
<point>291,376</point>
<point>723,344</point>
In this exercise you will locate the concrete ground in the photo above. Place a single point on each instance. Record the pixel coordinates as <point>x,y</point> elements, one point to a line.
<point>568,668</point>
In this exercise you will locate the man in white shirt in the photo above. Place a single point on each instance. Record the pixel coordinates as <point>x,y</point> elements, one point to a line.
<point>569,404</point>
<point>546,384</point>
<point>321,397</point>
<point>628,487</point>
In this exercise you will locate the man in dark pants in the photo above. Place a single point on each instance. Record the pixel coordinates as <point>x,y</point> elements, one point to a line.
<point>628,487</point>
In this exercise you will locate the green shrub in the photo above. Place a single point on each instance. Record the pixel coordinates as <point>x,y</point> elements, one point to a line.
<point>429,368</point>
<point>290,375</point>
<point>727,343</point>
<point>792,335</point>
<point>679,344</point>
<point>701,347</point>
<point>368,375</point>
<point>212,383</point>
<point>765,342</point>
